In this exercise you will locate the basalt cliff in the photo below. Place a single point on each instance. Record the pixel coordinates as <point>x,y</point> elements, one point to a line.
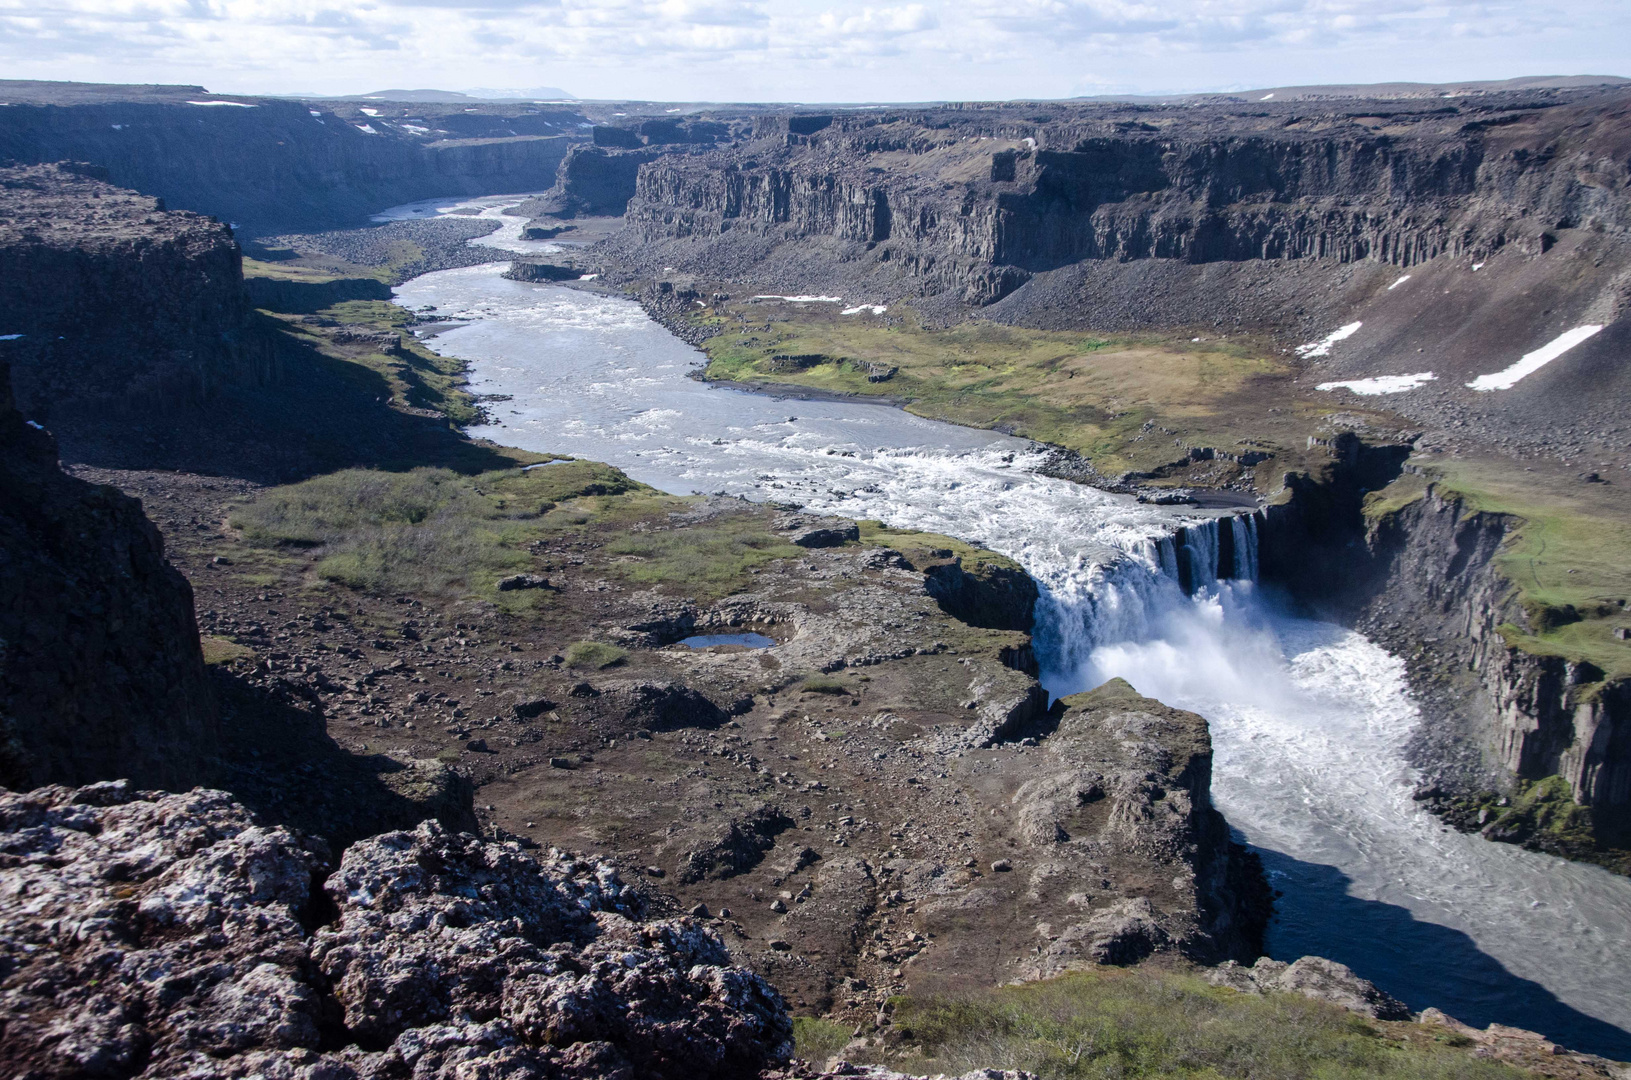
<point>989,196</point>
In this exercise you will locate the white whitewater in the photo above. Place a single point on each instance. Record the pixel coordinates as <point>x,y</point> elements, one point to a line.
<point>1309,720</point>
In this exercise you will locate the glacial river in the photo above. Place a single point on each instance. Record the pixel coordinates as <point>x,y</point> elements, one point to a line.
<point>1309,720</point>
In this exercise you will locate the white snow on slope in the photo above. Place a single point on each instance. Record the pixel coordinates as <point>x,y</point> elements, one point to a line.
<point>802,299</point>
<point>234,104</point>
<point>876,309</point>
<point>1322,347</point>
<point>1396,284</point>
<point>1532,362</point>
<point>1381,384</point>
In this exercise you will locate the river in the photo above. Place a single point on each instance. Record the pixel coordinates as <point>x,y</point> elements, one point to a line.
<point>1309,720</point>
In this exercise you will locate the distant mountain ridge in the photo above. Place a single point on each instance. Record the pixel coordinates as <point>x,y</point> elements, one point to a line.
<point>540,93</point>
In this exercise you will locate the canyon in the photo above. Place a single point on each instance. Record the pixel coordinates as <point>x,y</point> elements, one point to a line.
<point>884,800</point>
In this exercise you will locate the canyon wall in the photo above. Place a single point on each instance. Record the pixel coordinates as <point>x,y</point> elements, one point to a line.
<point>978,203</point>
<point>101,675</point>
<point>285,166</point>
<point>1422,579</point>
<point>112,306</point>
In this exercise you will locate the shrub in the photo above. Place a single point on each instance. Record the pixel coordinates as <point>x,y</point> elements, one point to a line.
<point>816,1040</point>
<point>823,684</point>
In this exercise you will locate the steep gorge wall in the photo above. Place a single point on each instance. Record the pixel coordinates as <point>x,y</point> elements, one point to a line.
<point>1423,580</point>
<point>275,167</point>
<point>113,306</point>
<point>982,219</point>
<point>101,675</point>
<point>1544,715</point>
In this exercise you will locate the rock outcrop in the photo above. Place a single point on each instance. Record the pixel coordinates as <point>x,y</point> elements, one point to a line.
<point>113,306</point>
<point>1314,977</point>
<point>1125,782</point>
<point>101,674</point>
<point>169,935</point>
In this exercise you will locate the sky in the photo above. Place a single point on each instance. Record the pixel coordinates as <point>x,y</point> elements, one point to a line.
<point>806,50</point>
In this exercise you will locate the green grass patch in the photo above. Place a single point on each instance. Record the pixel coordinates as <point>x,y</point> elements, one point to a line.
<point>816,1039</point>
<point>596,655</point>
<point>427,531</point>
<point>823,684</point>
<point>219,650</point>
<point>1146,1023</point>
<point>709,558</point>
<point>922,548</point>
<point>1092,394</point>
<point>1567,553</point>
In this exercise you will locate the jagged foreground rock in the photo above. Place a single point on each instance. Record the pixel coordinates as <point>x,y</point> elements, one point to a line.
<point>168,935</point>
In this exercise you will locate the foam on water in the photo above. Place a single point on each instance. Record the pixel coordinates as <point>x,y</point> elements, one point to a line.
<point>1309,720</point>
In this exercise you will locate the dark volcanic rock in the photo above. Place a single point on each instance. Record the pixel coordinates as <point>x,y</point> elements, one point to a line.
<point>101,675</point>
<point>598,180</point>
<point>161,935</point>
<point>288,165</point>
<point>975,202</point>
<point>122,307</point>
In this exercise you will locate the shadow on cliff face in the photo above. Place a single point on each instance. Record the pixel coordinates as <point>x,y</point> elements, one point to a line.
<point>318,415</point>
<point>1421,963</point>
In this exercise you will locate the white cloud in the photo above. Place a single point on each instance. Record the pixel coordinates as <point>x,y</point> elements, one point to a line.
<point>805,49</point>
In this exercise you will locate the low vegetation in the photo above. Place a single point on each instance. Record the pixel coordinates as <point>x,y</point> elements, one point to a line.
<point>1129,403</point>
<point>594,655</point>
<point>436,532</point>
<point>427,531</point>
<point>1166,1024</point>
<point>816,1039</point>
<point>1567,553</point>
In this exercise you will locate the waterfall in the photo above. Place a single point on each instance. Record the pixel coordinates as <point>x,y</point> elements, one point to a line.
<point>1152,591</point>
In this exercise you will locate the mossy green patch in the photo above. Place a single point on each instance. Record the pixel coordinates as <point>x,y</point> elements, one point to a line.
<point>922,548</point>
<point>1145,1023</point>
<point>1124,401</point>
<point>594,655</point>
<point>1543,815</point>
<point>1567,552</point>
<point>222,651</point>
<point>426,531</point>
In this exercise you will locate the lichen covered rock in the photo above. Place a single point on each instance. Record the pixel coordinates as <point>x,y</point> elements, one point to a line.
<point>168,935</point>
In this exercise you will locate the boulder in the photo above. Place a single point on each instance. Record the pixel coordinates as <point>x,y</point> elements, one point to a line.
<point>1314,977</point>
<point>168,935</point>
<point>825,536</point>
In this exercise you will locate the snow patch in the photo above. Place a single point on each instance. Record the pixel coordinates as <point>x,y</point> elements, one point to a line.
<point>876,309</point>
<point>588,277</point>
<point>802,299</point>
<point>366,129</point>
<point>366,111</point>
<point>10,337</point>
<point>1381,384</point>
<point>1532,362</point>
<point>36,425</point>
<point>234,104</point>
<point>1477,266</point>
<point>1265,97</point>
<point>1396,284</point>
<point>1322,347</point>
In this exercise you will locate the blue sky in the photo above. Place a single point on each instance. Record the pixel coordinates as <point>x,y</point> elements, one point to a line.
<point>806,50</point>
